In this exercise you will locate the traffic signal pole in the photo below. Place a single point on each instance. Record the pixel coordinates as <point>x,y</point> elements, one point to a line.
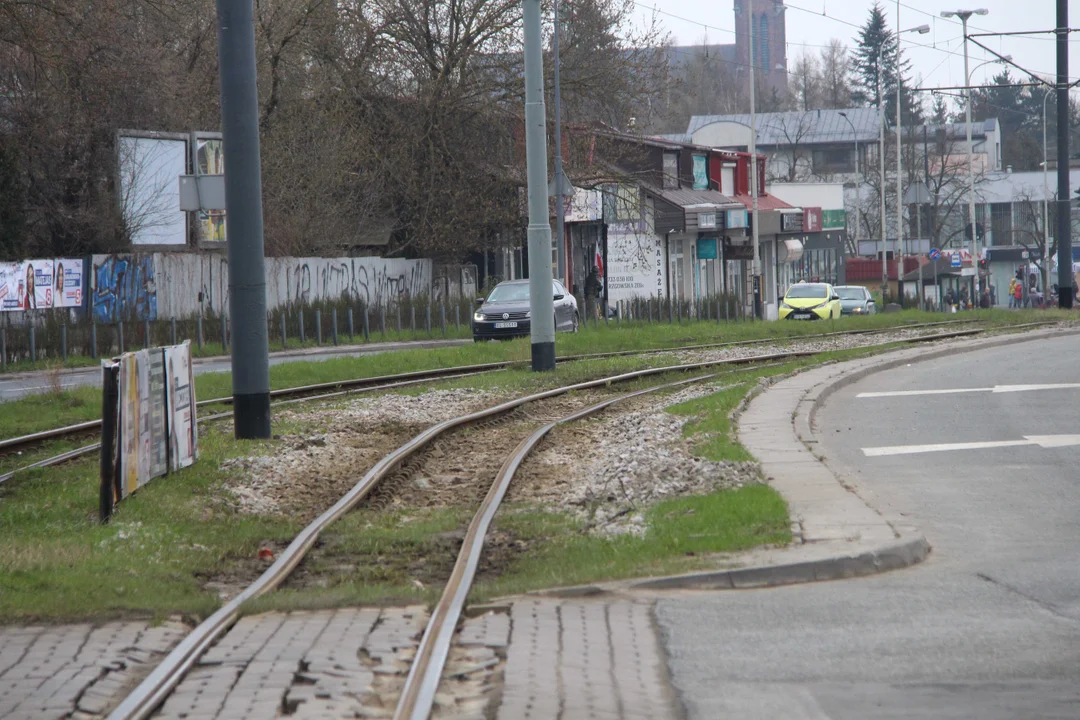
<point>1064,197</point>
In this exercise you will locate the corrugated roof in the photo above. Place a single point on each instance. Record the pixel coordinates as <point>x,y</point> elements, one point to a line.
<point>683,197</point>
<point>765,202</point>
<point>814,126</point>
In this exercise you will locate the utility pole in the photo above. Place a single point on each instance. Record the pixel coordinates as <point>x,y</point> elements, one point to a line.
<point>560,207</point>
<point>243,208</point>
<point>1064,197</point>
<point>541,300</point>
<point>922,30</point>
<point>1046,208</point>
<point>754,190</point>
<point>881,151</point>
<point>858,181</point>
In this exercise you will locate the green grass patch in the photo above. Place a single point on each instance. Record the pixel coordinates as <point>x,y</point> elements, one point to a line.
<point>165,541</point>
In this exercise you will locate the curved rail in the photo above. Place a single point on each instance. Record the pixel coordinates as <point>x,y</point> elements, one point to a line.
<point>442,373</point>
<point>156,687</point>
<point>418,694</point>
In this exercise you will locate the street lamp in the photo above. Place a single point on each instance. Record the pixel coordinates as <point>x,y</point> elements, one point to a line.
<point>858,189</point>
<point>1046,208</point>
<point>964,15</point>
<point>922,30</point>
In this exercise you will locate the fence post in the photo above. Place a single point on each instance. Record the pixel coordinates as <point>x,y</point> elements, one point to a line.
<point>93,341</point>
<point>33,341</point>
<point>367,335</point>
<point>618,312</point>
<point>110,400</point>
<point>333,321</point>
<point>284,339</point>
<point>146,333</point>
<point>397,315</point>
<point>3,348</point>
<point>120,336</point>
<point>412,317</point>
<point>442,311</point>
<point>457,318</point>
<point>172,331</point>
<point>318,327</point>
<point>382,320</point>
<point>427,319</point>
<point>198,323</point>
<point>224,334</point>
<point>350,324</point>
<point>303,337</point>
<point>63,342</point>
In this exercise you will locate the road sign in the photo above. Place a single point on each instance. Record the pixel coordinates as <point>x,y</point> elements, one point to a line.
<point>955,260</point>
<point>934,253</point>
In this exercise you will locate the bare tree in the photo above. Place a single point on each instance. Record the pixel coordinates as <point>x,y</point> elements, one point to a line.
<point>794,127</point>
<point>806,83</point>
<point>835,86</point>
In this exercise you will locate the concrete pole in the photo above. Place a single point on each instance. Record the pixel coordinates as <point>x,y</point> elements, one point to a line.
<point>899,174</point>
<point>881,149</point>
<point>541,300</point>
<point>560,208</point>
<point>971,166</point>
<point>754,189</point>
<point>1064,237</point>
<point>243,207</point>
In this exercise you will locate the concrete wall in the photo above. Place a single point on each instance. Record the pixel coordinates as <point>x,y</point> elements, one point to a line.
<point>167,285</point>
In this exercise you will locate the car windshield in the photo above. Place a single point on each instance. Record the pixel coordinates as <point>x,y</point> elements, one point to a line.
<point>806,291</point>
<point>850,293</point>
<point>509,293</point>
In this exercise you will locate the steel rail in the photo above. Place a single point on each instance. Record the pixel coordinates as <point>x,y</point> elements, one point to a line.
<point>441,373</point>
<point>418,694</point>
<point>153,690</point>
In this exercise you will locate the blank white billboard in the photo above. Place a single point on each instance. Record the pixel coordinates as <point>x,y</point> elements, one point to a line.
<point>150,168</point>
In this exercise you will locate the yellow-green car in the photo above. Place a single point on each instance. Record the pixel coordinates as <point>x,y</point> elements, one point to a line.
<point>810,301</point>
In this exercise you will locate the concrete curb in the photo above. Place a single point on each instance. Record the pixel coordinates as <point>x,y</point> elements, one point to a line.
<point>833,559</point>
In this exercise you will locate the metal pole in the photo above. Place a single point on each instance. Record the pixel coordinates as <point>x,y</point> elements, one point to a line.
<point>198,323</point>
<point>367,328</point>
<point>243,207</point>
<point>172,331</point>
<point>333,323</point>
<point>858,185</point>
<point>541,302</point>
<point>93,342</point>
<point>1064,238</point>
<point>899,176</point>
<point>284,336</point>
<point>3,345</point>
<point>110,403</point>
<point>756,262</point>
<point>1046,208</point>
<point>349,315</point>
<point>63,342</point>
<point>318,327</point>
<point>33,342</point>
<point>881,148</point>
<point>560,211</point>
<point>146,333</point>
<point>300,316</point>
<point>971,163</point>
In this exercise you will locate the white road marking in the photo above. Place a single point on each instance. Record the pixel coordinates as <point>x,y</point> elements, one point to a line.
<point>953,391</point>
<point>1043,441</point>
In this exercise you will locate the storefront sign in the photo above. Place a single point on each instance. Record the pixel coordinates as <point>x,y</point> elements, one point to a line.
<point>811,219</point>
<point>738,252</point>
<point>833,219</point>
<point>736,219</point>
<point>791,222</point>
<point>701,178</point>
<point>706,220</point>
<point>706,248</point>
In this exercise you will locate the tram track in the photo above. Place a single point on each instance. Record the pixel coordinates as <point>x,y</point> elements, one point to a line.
<point>337,389</point>
<point>419,691</point>
<point>367,384</point>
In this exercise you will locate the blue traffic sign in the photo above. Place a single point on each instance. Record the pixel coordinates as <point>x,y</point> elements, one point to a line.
<point>934,253</point>
<point>956,260</point>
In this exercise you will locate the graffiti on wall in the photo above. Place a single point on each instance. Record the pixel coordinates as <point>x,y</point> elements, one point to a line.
<point>373,281</point>
<point>124,288</point>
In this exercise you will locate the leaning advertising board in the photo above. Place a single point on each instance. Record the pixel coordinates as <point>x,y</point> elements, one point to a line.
<point>156,430</point>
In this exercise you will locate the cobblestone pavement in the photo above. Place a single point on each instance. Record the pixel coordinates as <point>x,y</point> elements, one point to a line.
<point>77,671</point>
<point>536,660</point>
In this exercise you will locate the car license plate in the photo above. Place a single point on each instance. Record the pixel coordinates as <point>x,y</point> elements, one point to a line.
<point>500,326</point>
<point>801,316</point>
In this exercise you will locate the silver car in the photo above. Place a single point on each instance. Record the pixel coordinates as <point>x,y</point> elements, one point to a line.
<point>855,300</point>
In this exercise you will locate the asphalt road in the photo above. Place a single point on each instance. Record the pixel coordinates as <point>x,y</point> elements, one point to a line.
<point>987,627</point>
<point>17,385</point>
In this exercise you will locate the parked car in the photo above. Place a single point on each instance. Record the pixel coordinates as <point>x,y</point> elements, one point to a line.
<point>505,313</point>
<point>855,300</point>
<point>810,301</point>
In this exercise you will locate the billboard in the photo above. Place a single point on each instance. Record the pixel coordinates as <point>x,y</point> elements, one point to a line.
<point>68,283</point>
<point>180,407</point>
<point>150,165</point>
<point>9,286</point>
<point>210,160</point>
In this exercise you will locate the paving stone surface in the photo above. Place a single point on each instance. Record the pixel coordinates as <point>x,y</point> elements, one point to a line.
<point>584,659</point>
<point>78,670</point>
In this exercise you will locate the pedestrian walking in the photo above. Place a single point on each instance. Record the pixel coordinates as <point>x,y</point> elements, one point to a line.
<point>1018,294</point>
<point>593,290</point>
<point>1012,293</point>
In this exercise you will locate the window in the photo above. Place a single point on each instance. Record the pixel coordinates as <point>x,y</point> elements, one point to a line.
<point>671,171</point>
<point>834,160</point>
<point>762,47</point>
<point>1001,224</point>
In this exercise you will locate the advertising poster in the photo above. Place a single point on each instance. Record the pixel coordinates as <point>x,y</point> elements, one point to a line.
<point>44,289</point>
<point>68,283</point>
<point>211,161</point>
<point>9,286</point>
<point>181,406</point>
<point>159,456</point>
<point>142,386</point>
<point>128,425</point>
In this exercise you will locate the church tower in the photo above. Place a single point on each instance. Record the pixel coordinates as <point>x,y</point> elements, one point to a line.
<point>770,43</point>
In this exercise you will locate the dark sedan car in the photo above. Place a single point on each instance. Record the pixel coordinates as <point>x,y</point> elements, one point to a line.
<point>855,300</point>
<point>505,313</point>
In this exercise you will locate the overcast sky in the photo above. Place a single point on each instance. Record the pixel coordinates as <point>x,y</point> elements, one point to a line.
<point>940,60</point>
